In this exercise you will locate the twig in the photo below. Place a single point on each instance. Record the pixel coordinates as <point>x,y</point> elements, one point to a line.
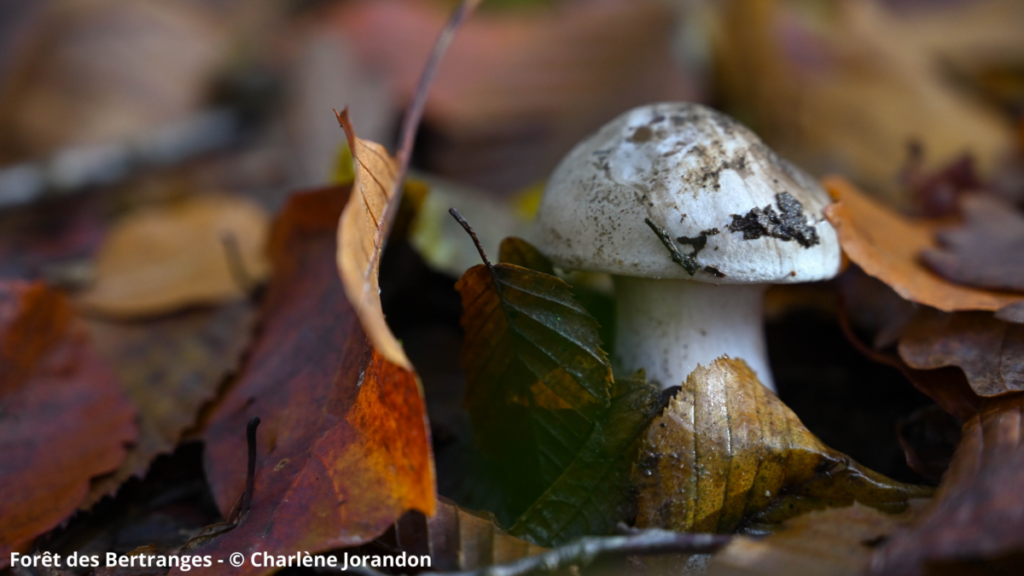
<point>472,234</point>
<point>236,265</point>
<point>689,263</point>
<point>250,473</point>
<point>584,551</point>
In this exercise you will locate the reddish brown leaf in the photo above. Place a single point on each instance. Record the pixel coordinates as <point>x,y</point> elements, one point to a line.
<point>64,418</point>
<point>170,367</point>
<point>886,246</point>
<point>343,450</point>
<point>977,514</point>
<point>987,251</point>
<point>989,351</point>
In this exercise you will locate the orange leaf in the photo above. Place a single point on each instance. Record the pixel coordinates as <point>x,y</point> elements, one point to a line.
<point>65,419</point>
<point>886,246</point>
<point>343,450</point>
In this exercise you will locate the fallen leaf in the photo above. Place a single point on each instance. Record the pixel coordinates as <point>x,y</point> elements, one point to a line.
<point>835,542</point>
<point>987,251</point>
<point>362,230</point>
<point>593,494</point>
<point>728,455</point>
<point>170,368</point>
<point>975,522</point>
<point>456,539</point>
<point>202,250</point>
<point>936,194</point>
<point>344,431</point>
<point>521,253</point>
<point>886,246</point>
<point>536,377</point>
<point>65,420</point>
<point>989,351</point>
<point>873,312</point>
<point>929,437</point>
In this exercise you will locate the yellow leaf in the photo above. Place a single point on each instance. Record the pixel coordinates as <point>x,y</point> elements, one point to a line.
<point>203,250</point>
<point>728,455</point>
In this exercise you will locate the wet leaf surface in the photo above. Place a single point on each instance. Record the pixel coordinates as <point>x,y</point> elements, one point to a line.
<point>203,250</point>
<point>975,516</point>
<point>170,368</point>
<point>344,431</point>
<point>887,246</point>
<point>63,418</point>
<point>836,542</point>
<point>986,251</point>
<point>990,352</point>
<point>537,379</point>
<point>727,454</point>
<point>592,495</point>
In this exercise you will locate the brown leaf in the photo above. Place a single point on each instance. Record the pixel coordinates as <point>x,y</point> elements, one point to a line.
<point>344,432</point>
<point>170,367</point>
<point>837,542</point>
<point>976,520</point>
<point>203,250</point>
<point>457,538</point>
<point>929,436</point>
<point>989,351</point>
<point>873,307</point>
<point>987,251</point>
<point>886,246</point>
<point>65,420</point>
<point>362,231</point>
<point>727,454</point>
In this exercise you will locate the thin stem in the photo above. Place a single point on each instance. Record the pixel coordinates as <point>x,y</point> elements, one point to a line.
<point>472,234</point>
<point>250,473</point>
<point>236,265</point>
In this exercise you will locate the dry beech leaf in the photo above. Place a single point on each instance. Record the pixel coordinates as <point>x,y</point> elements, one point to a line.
<point>728,455</point>
<point>836,542</point>
<point>362,231</point>
<point>989,351</point>
<point>887,246</point>
<point>457,538</point>
<point>880,316</point>
<point>987,251</point>
<point>170,367</point>
<point>976,519</point>
<point>344,430</point>
<point>65,419</point>
<point>202,250</point>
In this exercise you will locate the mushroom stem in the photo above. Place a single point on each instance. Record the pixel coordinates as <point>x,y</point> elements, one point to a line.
<point>667,327</point>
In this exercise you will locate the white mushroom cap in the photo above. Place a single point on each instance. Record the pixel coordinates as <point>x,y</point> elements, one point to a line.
<point>701,178</point>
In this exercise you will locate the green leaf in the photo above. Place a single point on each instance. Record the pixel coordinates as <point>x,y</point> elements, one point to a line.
<point>537,379</point>
<point>593,493</point>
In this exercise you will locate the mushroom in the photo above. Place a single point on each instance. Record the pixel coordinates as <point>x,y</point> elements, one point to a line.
<point>693,216</point>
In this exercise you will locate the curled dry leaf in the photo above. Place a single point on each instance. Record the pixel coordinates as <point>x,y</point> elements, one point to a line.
<point>65,419</point>
<point>728,455</point>
<point>362,230</point>
<point>987,251</point>
<point>976,520</point>
<point>343,431</point>
<point>836,542</point>
<point>170,367</point>
<point>202,250</point>
<point>887,246</point>
<point>989,351</point>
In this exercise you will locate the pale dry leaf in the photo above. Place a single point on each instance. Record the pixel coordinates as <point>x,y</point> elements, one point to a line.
<point>361,234</point>
<point>202,250</point>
